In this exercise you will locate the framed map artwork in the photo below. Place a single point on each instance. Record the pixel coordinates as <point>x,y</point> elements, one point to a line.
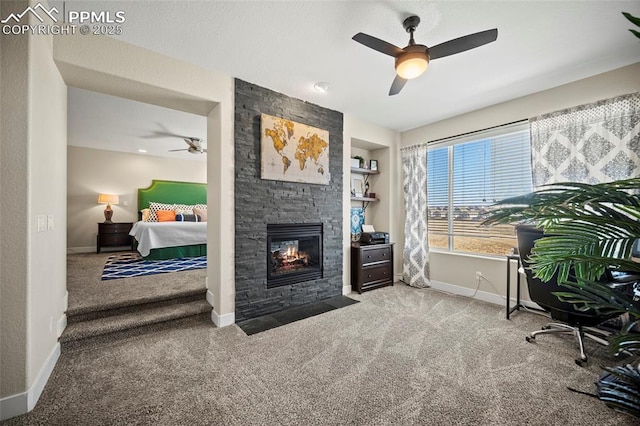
<point>293,152</point>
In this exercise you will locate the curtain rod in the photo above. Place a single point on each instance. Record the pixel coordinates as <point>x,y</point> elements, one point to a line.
<point>466,134</point>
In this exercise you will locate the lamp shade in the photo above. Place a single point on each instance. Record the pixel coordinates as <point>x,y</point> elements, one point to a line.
<point>108,199</point>
<point>412,64</point>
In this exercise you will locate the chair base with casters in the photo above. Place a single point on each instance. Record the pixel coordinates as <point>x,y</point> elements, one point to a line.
<point>566,319</point>
<point>579,332</point>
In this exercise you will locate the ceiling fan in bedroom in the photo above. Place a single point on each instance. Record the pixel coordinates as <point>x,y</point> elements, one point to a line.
<point>195,146</point>
<point>412,60</point>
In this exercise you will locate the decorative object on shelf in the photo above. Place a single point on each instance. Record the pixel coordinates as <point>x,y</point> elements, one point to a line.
<point>360,163</point>
<point>357,186</point>
<point>366,190</point>
<point>293,152</point>
<point>108,199</point>
<point>372,195</point>
<point>373,165</point>
<point>357,220</point>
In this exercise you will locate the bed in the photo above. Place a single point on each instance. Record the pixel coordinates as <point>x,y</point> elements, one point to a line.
<point>169,240</point>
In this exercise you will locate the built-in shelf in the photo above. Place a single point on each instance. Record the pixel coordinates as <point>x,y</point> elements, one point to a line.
<point>363,199</point>
<point>364,171</point>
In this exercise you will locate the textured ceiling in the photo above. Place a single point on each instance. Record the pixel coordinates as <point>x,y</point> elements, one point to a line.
<point>287,46</point>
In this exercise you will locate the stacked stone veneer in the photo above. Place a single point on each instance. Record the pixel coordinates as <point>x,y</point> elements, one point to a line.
<point>259,202</point>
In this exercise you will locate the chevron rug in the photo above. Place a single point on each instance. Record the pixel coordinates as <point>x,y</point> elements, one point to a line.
<point>127,265</point>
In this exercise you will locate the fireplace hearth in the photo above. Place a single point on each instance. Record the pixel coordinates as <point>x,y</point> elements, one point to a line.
<point>294,253</point>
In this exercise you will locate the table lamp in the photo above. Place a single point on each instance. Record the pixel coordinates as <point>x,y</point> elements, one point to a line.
<point>108,199</point>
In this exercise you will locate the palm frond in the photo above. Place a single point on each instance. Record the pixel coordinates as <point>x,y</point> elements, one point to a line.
<point>620,389</point>
<point>586,295</point>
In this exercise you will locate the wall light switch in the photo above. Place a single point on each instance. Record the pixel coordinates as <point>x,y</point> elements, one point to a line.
<point>50,225</point>
<point>42,223</point>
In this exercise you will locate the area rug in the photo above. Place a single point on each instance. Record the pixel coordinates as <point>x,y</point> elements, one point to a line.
<point>127,265</point>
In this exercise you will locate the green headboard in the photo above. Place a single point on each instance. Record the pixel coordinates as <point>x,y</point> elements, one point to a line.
<point>173,192</point>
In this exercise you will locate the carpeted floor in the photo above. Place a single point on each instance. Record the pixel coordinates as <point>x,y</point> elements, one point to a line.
<point>402,356</point>
<point>87,291</point>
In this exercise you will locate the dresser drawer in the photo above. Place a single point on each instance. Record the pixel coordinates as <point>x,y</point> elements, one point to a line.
<point>376,273</point>
<point>114,228</point>
<point>115,240</point>
<point>378,254</point>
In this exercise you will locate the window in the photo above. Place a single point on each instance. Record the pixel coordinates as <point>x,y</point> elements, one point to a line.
<point>467,175</point>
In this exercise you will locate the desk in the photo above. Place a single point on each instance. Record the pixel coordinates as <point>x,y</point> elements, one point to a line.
<point>518,305</point>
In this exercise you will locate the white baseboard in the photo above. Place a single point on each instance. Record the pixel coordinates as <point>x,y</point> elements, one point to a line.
<point>62,321</point>
<point>88,249</point>
<point>24,402</point>
<point>346,289</point>
<point>485,296</point>
<point>210,298</point>
<point>222,320</point>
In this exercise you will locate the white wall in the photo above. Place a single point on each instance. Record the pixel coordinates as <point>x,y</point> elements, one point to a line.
<point>458,269</point>
<point>34,184</point>
<point>93,171</point>
<point>382,144</point>
<point>110,66</point>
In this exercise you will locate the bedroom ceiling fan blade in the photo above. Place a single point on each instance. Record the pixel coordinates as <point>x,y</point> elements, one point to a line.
<point>377,44</point>
<point>397,85</point>
<point>462,44</point>
<point>176,150</point>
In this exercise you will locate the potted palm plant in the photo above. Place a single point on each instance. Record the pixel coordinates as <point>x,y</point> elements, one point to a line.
<point>594,228</point>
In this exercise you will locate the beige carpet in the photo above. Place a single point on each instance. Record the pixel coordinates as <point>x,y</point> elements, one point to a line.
<point>401,357</point>
<point>88,292</point>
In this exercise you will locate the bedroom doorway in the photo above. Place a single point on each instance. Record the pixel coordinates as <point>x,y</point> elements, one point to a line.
<point>116,147</point>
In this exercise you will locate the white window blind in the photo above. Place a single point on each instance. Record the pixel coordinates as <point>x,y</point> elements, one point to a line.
<point>465,177</point>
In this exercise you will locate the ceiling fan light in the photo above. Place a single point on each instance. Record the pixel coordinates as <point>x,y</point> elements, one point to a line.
<point>412,64</point>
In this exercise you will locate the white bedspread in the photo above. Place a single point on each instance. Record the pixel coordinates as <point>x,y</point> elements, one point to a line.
<point>152,235</point>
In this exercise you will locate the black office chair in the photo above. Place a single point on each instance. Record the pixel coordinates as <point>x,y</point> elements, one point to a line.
<point>569,320</point>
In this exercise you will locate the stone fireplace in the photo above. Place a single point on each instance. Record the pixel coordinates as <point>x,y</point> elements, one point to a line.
<point>274,272</point>
<point>294,253</point>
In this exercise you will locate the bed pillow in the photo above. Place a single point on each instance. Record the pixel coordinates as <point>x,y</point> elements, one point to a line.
<point>166,215</point>
<point>200,206</point>
<point>184,208</point>
<point>154,207</point>
<point>202,213</point>
<point>145,214</point>
<point>187,218</point>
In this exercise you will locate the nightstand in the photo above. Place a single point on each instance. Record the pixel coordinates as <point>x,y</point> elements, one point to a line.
<point>371,266</point>
<point>114,235</point>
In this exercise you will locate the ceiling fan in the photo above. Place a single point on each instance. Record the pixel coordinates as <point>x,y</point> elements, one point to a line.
<point>195,146</point>
<point>412,60</point>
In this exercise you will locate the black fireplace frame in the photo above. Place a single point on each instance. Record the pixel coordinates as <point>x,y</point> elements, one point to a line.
<point>291,231</point>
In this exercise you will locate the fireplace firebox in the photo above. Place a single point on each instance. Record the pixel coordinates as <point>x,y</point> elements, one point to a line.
<point>294,253</point>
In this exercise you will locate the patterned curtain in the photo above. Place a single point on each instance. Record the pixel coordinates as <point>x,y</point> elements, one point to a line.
<point>415,268</point>
<point>591,143</point>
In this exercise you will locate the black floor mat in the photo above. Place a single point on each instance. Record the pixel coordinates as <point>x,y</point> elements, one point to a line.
<point>267,322</point>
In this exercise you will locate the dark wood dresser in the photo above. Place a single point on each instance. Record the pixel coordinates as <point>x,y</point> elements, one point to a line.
<point>114,235</point>
<point>371,266</point>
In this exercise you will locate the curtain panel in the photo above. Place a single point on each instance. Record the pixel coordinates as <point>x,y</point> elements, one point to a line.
<point>415,266</point>
<point>592,143</point>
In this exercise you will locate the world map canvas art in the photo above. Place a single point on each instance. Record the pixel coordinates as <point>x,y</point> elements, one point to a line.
<point>293,152</point>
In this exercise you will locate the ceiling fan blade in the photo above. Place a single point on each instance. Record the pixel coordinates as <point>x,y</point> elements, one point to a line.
<point>397,85</point>
<point>158,134</point>
<point>377,44</point>
<point>176,150</point>
<point>462,44</point>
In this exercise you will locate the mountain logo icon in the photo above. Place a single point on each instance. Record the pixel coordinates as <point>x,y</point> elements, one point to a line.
<point>34,11</point>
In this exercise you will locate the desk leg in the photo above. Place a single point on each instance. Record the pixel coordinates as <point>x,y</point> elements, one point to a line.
<point>509,286</point>
<point>518,285</point>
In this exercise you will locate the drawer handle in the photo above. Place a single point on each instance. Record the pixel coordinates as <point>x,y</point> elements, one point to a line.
<point>369,276</point>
